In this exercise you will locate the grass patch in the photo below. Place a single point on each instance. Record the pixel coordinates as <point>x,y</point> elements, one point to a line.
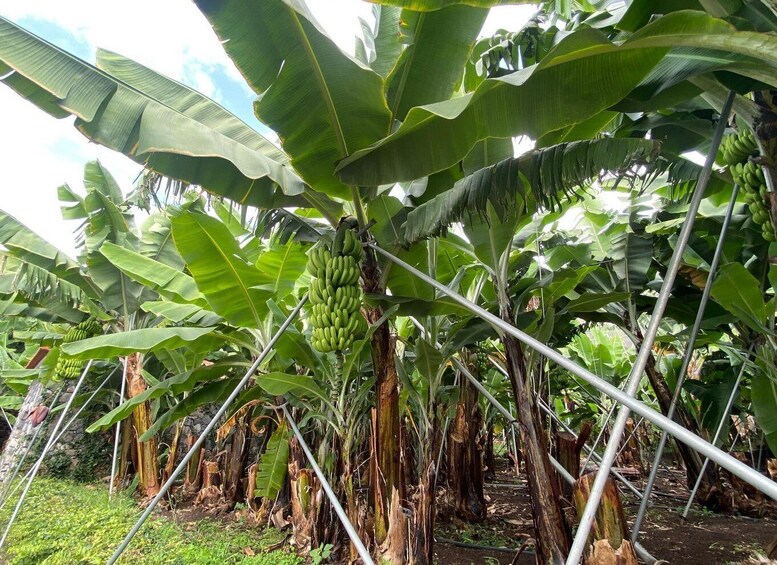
<point>66,523</point>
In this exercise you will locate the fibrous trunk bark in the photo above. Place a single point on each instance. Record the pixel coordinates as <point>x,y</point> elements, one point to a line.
<point>388,488</point>
<point>568,450</point>
<point>193,477</point>
<point>173,454</point>
<point>24,429</point>
<point>609,534</point>
<point>146,464</point>
<point>465,463</point>
<point>236,459</point>
<point>551,533</point>
<point>489,460</point>
<point>302,495</point>
<point>422,530</point>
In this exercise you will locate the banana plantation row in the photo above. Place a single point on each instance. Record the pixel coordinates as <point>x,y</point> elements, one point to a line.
<point>407,147</point>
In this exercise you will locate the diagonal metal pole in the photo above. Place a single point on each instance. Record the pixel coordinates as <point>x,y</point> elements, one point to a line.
<point>118,432</point>
<point>27,451</point>
<point>685,364</point>
<point>43,454</point>
<point>350,530</point>
<point>509,418</point>
<point>63,430</point>
<point>200,440</point>
<point>745,472</point>
<point>632,383</point>
<point>590,450</point>
<point>718,432</point>
<point>545,408</point>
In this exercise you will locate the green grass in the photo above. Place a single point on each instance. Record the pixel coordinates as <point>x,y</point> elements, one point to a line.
<point>65,523</point>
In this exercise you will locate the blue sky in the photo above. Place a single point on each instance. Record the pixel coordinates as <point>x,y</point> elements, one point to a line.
<point>170,36</point>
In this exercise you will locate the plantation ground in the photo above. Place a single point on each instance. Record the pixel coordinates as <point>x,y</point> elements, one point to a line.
<point>704,538</point>
<point>64,523</point>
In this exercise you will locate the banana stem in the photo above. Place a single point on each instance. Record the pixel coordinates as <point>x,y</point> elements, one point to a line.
<point>358,206</point>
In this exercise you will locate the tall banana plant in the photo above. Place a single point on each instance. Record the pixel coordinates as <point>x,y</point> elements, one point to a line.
<point>349,127</point>
<point>95,285</point>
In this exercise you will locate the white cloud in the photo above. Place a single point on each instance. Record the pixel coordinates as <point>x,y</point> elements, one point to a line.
<point>39,154</point>
<point>340,19</point>
<point>166,35</point>
<point>170,36</point>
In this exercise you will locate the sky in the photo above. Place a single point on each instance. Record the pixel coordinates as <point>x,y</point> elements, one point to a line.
<point>39,153</point>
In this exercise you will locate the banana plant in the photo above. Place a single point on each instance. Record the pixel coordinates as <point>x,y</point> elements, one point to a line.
<point>351,127</point>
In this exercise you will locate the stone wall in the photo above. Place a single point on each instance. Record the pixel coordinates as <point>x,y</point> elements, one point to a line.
<point>76,455</point>
<point>79,455</point>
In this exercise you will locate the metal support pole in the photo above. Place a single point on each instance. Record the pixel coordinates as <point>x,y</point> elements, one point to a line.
<point>350,530</point>
<point>200,440</point>
<point>745,472</point>
<point>718,432</point>
<point>118,432</point>
<point>685,364</point>
<point>27,451</point>
<point>61,432</point>
<point>599,436</point>
<point>632,383</point>
<point>591,453</point>
<point>43,454</point>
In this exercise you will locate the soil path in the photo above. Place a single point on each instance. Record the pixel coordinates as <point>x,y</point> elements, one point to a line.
<point>704,538</point>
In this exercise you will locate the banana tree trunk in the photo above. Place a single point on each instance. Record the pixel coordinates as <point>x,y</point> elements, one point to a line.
<point>551,533</point>
<point>146,464</point>
<point>173,455</point>
<point>236,459</point>
<point>387,481</point>
<point>693,461</point>
<point>465,467</point>
<point>302,494</point>
<point>489,459</point>
<point>422,529</point>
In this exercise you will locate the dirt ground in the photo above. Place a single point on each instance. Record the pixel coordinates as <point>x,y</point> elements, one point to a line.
<point>703,538</point>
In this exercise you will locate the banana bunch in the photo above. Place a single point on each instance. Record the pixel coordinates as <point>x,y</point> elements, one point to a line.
<point>67,367</point>
<point>737,148</point>
<point>750,178</point>
<point>335,293</point>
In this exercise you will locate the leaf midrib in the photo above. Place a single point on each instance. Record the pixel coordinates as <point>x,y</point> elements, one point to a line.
<point>234,272</point>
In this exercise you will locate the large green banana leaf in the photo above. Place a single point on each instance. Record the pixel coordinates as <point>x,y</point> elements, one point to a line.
<point>138,341</point>
<point>178,313</point>
<point>539,176</point>
<point>175,385</point>
<point>283,265</point>
<point>428,5</point>
<point>27,246</point>
<point>104,222</point>
<point>179,133</point>
<point>273,464</point>
<point>170,283</point>
<point>234,288</point>
<point>764,395</point>
<point>39,286</point>
<point>323,104</point>
<point>383,40</point>
<point>156,241</point>
<point>423,75</point>
<point>739,292</point>
<point>582,76</point>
